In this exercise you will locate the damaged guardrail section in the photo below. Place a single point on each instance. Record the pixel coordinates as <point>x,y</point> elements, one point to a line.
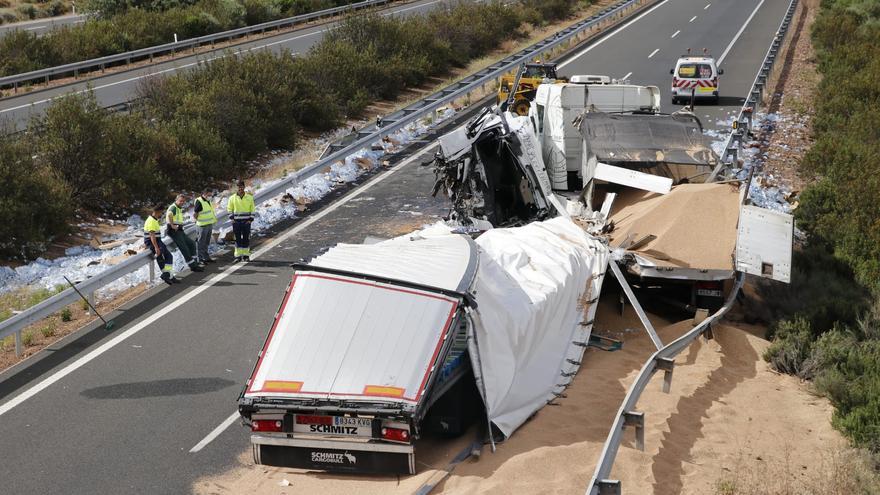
<point>389,125</point>
<point>627,415</point>
<point>743,123</point>
<point>663,359</point>
<point>45,75</point>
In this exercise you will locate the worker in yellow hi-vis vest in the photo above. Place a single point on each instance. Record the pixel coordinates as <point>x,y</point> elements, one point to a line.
<point>241,210</point>
<point>153,241</point>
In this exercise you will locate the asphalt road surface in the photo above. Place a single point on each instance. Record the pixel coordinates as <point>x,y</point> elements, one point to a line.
<point>121,87</point>
<point>43,26</point>
<point>149,407</point>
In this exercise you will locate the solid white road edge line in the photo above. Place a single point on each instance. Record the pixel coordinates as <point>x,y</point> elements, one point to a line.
<point>228,421</point>
<point>739,33</point>
<point>609,35</point>
<point>175,68</point>
<point>184,298</point>
<point>215,433</point>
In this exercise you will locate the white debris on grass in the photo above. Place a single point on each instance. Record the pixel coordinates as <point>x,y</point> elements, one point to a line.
<point>82,262</point>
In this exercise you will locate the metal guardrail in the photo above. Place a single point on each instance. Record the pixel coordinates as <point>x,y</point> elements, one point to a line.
<point>391,124</point>
<point>45,75</point>
<point>743,122</point>
<point>627,415</point>
<point>600,484</point>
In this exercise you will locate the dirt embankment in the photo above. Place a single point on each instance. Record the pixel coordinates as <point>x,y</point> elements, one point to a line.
<point>727,413</point>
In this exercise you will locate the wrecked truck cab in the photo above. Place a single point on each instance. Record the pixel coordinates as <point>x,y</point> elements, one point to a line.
<point>492,171</point>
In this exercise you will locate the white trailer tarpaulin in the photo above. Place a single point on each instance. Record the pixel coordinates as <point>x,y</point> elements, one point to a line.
<point>535,289</point>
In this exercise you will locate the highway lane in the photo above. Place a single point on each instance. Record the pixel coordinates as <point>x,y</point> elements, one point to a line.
<point>127,418</point>
<point>43,26</point>
<point>121,87</point>
<point>675,26</point>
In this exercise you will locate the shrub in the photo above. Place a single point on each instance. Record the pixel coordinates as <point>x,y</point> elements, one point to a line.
<point>66,314</point>
<point>27,338</point>
<point>36,203</point>
<point>27,10</point>
<point>48,329</point>
<point>791,347</point>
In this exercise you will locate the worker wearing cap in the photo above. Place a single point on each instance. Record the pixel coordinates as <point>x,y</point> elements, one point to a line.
<point>153,241</point>
<point>174,229</point>
<point>241,210</point>
<point>203,213</point>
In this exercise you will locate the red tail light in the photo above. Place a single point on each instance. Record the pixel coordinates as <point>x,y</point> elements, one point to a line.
<point>266,425</point>
<point>709,285</point>
<point>395,434</point>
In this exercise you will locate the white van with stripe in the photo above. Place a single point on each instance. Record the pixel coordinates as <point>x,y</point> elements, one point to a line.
<point>697,76</point>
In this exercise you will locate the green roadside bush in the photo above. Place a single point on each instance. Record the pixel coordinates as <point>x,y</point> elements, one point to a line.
<point>36,204</point>
<point>204,126</point>
<point>826,331</point>
<point>134,24</point>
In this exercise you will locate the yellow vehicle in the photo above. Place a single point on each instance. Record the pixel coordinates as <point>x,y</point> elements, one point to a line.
<point>530,76</point>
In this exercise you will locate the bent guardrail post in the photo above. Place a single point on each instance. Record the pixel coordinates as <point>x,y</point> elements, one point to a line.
<point>643,317</point>
<point>395,122</point>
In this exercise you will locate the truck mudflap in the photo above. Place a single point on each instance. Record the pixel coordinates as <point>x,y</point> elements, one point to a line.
<point>333,455</point>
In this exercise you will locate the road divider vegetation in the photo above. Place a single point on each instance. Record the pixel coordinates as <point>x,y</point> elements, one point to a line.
<point>829,329</point>
<point>203,126</point>
<point>121,26</point>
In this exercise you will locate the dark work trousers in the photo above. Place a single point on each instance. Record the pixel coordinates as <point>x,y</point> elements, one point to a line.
<point>242,231</point>
<point>204,241</point>
<point>163,258</point>
<point>185,245</point>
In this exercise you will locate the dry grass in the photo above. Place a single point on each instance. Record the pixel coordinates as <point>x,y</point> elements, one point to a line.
<point>846,471</point>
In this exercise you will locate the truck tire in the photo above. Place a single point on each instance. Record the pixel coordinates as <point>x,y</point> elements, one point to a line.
<point>521,107</point>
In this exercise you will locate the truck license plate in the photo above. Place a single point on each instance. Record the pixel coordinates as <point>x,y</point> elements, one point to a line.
<point>709,292</point>
<point>333,425</point>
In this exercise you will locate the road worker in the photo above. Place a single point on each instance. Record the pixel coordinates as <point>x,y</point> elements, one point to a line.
<point>241,211</point>
<point>174,229</point>
<point>153,241</point>
<point>203,213</point>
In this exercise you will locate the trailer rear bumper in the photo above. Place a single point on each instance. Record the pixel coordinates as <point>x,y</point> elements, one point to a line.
<point>334,455</point>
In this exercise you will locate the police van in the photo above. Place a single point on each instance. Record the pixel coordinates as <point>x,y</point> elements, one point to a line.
<point>695,76</point>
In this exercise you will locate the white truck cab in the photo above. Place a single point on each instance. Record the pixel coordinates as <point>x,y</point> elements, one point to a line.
<point>697,76</point>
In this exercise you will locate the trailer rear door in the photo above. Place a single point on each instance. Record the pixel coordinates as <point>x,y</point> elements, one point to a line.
<point>342,337</point>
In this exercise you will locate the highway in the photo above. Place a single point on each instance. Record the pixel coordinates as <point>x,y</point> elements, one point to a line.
<point>150,407</point>
<point>43,26</point>
<point>120,87</point>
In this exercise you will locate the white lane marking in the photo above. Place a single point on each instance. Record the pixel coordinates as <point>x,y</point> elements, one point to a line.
<point>215,432</point>
<point>707,6</point>
<point>612,33</point>
<point>692,19</point>
<point>624,78</point>
<point>675,34</point>
<point>654,52</point>
<point>312,219</point>
<point>172,69</point>
<point>35,27</point>
<point>739,33</point>
<point>184,298</point>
